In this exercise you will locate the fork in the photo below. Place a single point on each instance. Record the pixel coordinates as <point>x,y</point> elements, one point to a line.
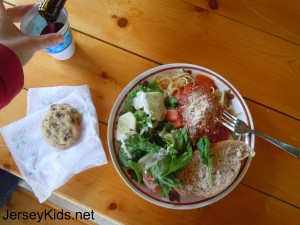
<point>240,127</point>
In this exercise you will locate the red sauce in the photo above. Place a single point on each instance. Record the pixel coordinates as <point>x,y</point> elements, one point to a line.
<point>201,110</point>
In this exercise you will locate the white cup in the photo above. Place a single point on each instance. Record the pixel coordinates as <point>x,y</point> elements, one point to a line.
<point>33,24</point>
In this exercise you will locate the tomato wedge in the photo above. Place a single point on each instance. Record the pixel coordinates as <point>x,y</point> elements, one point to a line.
<point>178,123</point>
<point>173,116</point>
<point>150,183</point>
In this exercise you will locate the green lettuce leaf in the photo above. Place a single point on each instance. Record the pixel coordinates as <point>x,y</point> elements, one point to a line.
<point>127,161</point>
<point>142,120</point>
<point>164,170</point>
<point>139,142</point>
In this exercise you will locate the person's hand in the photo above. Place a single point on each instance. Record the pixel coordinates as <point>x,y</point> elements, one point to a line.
<point>23,45</point>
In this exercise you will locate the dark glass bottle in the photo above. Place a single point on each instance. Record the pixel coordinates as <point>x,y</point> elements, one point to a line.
<point>50,9</point>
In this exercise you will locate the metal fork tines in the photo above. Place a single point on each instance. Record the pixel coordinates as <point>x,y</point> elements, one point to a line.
<point>240,127</point>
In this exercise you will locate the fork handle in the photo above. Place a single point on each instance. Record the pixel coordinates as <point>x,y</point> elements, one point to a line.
<point>290,149</point>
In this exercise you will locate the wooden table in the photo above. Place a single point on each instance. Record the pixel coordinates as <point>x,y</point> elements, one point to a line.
<point>253,44</point>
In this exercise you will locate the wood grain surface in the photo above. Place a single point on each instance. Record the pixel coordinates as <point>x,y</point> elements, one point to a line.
<point>276,17</point>
<point>118,40</point>
<point>248,57</point>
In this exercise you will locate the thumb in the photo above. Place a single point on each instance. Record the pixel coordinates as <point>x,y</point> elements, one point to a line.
<point>47,40</point>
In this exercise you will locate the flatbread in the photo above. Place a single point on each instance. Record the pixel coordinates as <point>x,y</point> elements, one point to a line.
<point>226,159</point>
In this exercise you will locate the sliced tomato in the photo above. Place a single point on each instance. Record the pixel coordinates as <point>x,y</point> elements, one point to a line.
<point>172,114</point>
<point>178,123</point>
<point>150,183</point>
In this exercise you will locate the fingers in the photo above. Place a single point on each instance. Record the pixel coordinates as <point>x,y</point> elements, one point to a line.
<point>47,40</point>
<point>17,13</point>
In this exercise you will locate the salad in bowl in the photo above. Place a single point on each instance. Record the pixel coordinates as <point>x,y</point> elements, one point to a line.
<point>167,142</point>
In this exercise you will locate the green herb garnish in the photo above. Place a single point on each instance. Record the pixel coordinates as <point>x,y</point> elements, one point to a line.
<point>171,102</point>
<point>203,145</point>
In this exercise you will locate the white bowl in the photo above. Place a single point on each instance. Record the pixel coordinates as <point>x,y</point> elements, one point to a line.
<point>239,105</point>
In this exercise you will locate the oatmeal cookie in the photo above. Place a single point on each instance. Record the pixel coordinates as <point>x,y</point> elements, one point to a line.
<point>61,126</point>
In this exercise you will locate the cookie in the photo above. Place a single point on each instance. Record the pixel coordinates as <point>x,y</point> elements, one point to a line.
<point>61,126</point>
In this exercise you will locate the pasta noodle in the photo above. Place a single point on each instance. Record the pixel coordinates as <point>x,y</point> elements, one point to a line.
<point>171,83</point>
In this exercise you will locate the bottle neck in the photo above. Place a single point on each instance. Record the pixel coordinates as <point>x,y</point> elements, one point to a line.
<point>50,9</point>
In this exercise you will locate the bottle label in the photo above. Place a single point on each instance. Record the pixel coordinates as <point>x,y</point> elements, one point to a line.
<point>60,47</point>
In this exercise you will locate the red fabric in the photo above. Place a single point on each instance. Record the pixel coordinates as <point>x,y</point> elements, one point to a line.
<point>11,75</point>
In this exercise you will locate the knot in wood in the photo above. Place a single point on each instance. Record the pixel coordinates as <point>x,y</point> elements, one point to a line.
<point>122,22</point>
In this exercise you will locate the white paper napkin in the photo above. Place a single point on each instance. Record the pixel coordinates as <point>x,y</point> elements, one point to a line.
<point>42,166</point>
